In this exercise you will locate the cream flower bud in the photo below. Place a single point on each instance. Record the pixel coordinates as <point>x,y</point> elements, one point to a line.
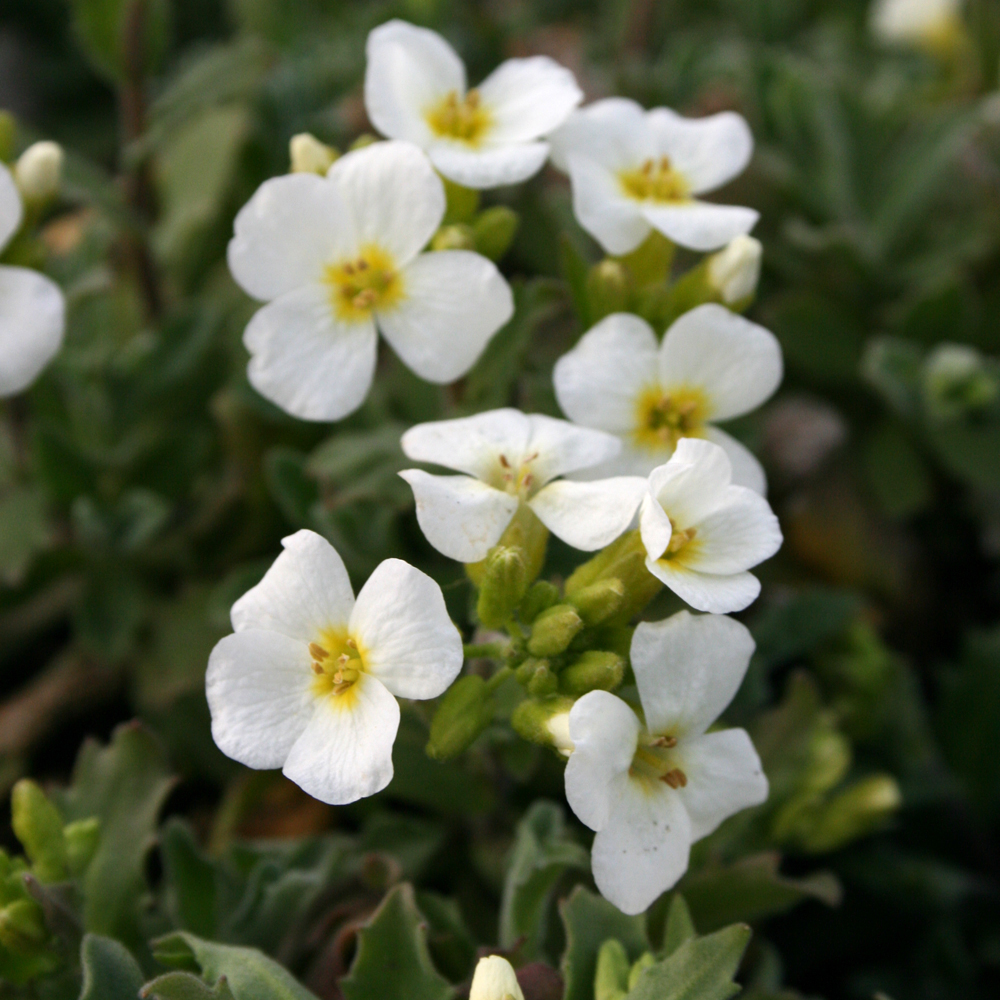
<point>558,729</point>
<point>734,271</point>
<point>494,979</point>
<point>933,24</point>
<point>310,156</point>
<point>38,171</point>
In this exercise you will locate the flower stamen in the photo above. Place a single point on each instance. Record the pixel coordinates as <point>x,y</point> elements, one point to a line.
<point>464,119</point>
<point>678,541</point>
<point>663,418</point>
<point>655,180</point>
<point>360,286</point>
<point>675,778</point>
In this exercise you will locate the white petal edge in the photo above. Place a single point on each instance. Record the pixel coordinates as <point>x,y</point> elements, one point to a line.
<point>693,483</point>
<point>403,630</point>
<point>601,207</point>
<point>589,515</point>
<point>700,225</point>
<point>614,132</point>
<point>655,528</point>
<point>488,166</point>
<point>32,325</point>
<point>740,533</point>
<point>718,595</point>
<point>747,470</point>
<point>11,210</point>
<point>560,447</point>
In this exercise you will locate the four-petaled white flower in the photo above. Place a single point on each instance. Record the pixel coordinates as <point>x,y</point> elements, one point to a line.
<point>337,256</point>
<point>701,533</point>
<point>306,682</point>
<point>712,365</point>
<point>495,979</point>
<point>633,171</point>
<point>415,89</point>
<point>32,307</point>
<point>508,459</point>
<point>651,787</point>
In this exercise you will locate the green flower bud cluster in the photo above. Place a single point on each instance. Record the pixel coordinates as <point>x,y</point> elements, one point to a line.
<point>489,231</point>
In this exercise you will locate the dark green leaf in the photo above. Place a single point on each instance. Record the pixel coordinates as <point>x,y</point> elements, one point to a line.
<point>185,986</point>
<point>109,970</point>
<point>118,34</point>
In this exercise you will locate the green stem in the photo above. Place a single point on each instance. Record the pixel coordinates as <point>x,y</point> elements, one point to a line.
<point>497,679</point>
<point>492,650</point>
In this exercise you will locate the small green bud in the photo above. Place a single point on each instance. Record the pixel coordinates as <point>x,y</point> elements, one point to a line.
<point>642,963</point>
<point>544,721</point>
<point>526,670</point>
<point>462,202</point>
<point>494,231</point>
<point>957,381</point>
<point>553,630</point>
<point>39,827</point>
<point>82,837</point>
<point>363,140</point>
<point>540,595</point>
<point>595,670</point>
<point>829,759</point>
<point>526,532</point>
<point>853,813</point>
<point>22,926</point>
<point>611,978</point>
<point>464,712</point>
<point>600,601</point>
<point>307,155</point>
<point>8,133</point>
<point>504,582</point>
<point>457,236</point>
<point>608,288</point>
<point>624,559</point>
<point>543,680</point>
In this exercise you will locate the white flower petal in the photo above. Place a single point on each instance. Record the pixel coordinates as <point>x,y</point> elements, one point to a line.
<point>410,70</point>
<point>560,447</point>
<point>305,360</point>
<point>693,483</point>
<point>599,382</point>
<point>495,979</point>
<point>488,166</point>
<point>718,595</point>
<point>32,323</point>
<point>688,669</point>
<point>601,207</point>
<point>259,689</point>
<point>305,591</point>
<point>740,533</point>
<point>287,232</point>
<point>613,132</point>
<point>345,752</point>
<point>470,444</point>
<point>655,528</point>
<point>633,460</point>
<point>454,302</point>
<point>461,517</point>
<point>528,98</point>
<point>590,515</point>
<point>724,776</point>
<point>395,198</point>
<point>644,849</point>
<point>736,363</point>
<point>11,211</point>
<point>403,630</point>
<point>707,152</point>
<point>699,225</point>
<point>604,731</point>
<point>747,470</point>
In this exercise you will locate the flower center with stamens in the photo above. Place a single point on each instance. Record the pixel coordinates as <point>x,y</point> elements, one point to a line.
<point>656,762</point>
<point>368,282</point>
<point>461,118</point>
<point>520,481</point>
<point>337,663</point>
<point>655,180</point>
<point>663,418</point>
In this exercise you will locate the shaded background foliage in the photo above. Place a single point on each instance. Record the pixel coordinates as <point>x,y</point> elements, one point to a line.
<point>144,486</point>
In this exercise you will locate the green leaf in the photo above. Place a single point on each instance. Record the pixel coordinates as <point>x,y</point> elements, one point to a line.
<point>185,986</point>
<point>249,973</point>
<point>24,530</point>
<point>124,784</point>
<point>700,969</point>
<point>116,33</point>
<point>109,970</point>
<point>292,490</point>
<point>392,959</point>
<point>189,878</point>
<point>362,465</point>
<point>589,921</point>
<point>543,852</point>
<point>680,925</point>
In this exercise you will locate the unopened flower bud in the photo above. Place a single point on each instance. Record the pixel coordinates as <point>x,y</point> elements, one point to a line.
<point>595,670</point>
<point>82,837</point>
<point>957,380</point>
<point>464,712</point>
<point>600,601</point>
<point>495,979</point>
<point>494,231</point>
<point>38,171</point>
<point>624,559</point>
<point>22,926</point>
<point>504,582</point>
<point>365,139</point>
<point>608,289</point>
<point>540,595</point>
<point>734,271</point>
<point>543,681</point>
<point>310,156</point>
<point>855,812</point>
<point>458,236</point>
<point>544,721</point>
<point>528,668</point>
<point>613,966</point>
<point>553,630</point>
<point>641,964</point>
<point>39,827</point>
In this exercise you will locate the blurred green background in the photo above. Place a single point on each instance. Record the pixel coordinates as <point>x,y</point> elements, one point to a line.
<point>144,486</point>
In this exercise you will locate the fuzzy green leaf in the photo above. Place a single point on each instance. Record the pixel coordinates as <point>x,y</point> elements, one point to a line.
<point>109,970</point>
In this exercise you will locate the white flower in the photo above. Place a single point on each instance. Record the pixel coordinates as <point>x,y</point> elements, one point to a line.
<point>735,270</point>
<point>415,89</point>
<point>508,459</point>
<point>494,979</point>
<point>634,170</point>
<point>306,682</point>
<point>652,787</point>
<point>701,533</point>
<point>32,308</point>
<point>712,365</point>
<point>337,256</point>
<point>930,22</point>
<point>38,171</point>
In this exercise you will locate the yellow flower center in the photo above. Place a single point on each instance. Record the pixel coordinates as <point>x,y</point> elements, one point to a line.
<point>663,418</point>
<point>360,286</point>
<point>655,180</point>
<point>655,761</point>
<point>519,482</point>
<point>338,664</point>
<point>461,118</point>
